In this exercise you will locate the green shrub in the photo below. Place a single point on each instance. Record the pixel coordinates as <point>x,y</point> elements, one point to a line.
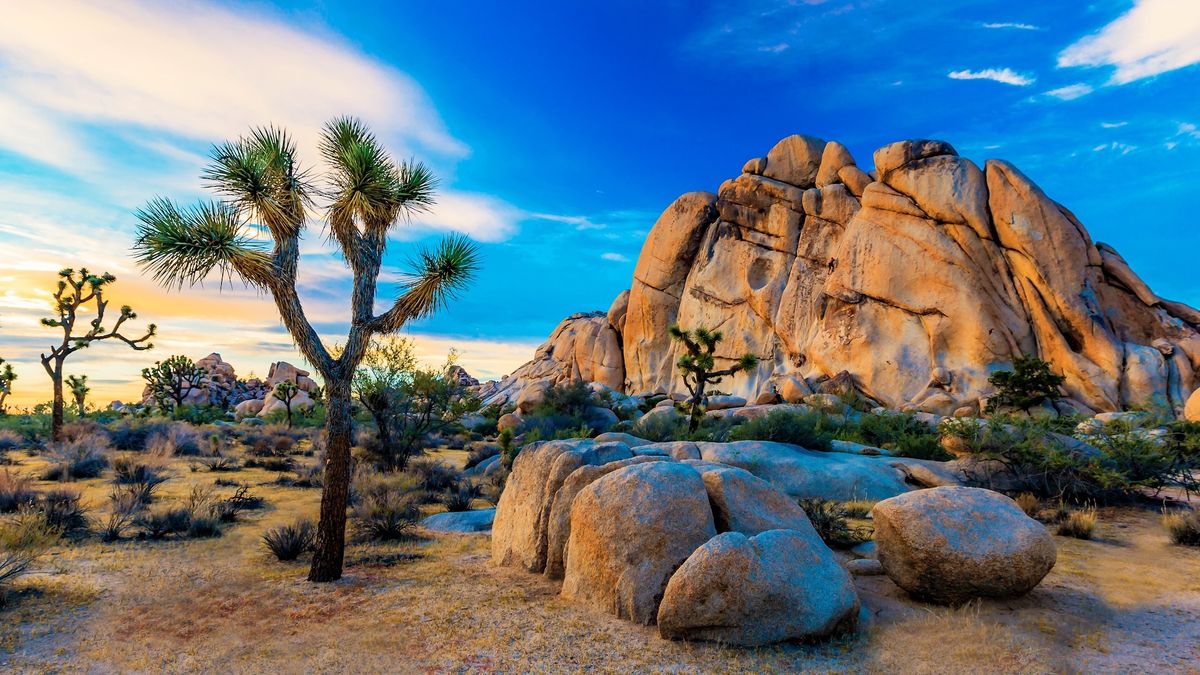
<point>1030,383</point>
<point>901,433</point>
<point>459,498</point>
<point>830,520</point>
<point>289,542</point>
<point>434,476</point>
<point>133,434</point>
<point>812,430</point>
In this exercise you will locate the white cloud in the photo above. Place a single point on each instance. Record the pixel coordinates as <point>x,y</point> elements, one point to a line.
<point>198,72</point>
<point>1015,26</point>
<point>1122,148</point>
<point>1003,75</point>
<point>1190,130</point>
<point>1071,91</point>
<point>615,257</point>
<point>1155,36</point>
<point>480,216</point>
<point>1113,125</point>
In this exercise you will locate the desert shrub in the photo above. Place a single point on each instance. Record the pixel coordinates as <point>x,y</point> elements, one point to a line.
<point>858,508</point>
<point>459,498</point>
<point>161,523</point>
<point>10,440</point>
<point>812,430</point>
<point>901,433</point>
<point>508,448</point>
<point>86,429</point>
<point>270,463</point>
<point>829,518</point>
<point>220,463</point>
<point>289,542</point>
<point>140,479</point>
<point>566,400</point>
<point>385,514</point>
<point>227,510</point>
<point>80,457</point>
<point>270,441</point>
<point>15,491</point>
<point>1183,527</point>
<point>23,539</point>
<point>63,510</point>
<point>1117,465</point>
<point>481,452</point>
<point>179,440</point>
<point>492,487</point>
<point>1030,383</point>
<point>1079,524</point>
<point>1029,503</point>
<point>433,476</point>
<point>124,504</point>
<point>132,434</point>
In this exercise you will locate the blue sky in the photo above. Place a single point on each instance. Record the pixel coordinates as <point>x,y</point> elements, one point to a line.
<point>561,131</point>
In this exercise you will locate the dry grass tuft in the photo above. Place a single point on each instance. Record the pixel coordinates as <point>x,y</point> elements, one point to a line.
<point>1183,527</point>
<point>1079,524</point>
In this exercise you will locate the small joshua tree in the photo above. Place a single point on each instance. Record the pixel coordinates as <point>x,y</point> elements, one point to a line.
<point>79,391</point>
<point>286,392</point>
<point>697,366</point>
<point>1028,384</point>
<point>75,291</point>
<point>170,381</point>
<point>7,376</point>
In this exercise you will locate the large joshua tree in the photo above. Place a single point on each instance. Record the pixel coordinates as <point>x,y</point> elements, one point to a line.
<point>75,292</point>
<point>264,188</point>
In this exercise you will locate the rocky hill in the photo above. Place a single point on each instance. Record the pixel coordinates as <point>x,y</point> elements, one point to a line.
<point>912,281</point>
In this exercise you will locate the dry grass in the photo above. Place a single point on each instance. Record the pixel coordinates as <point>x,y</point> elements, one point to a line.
<point>1079,524</point>
<point>1183,527</point>
<point>437,604</point>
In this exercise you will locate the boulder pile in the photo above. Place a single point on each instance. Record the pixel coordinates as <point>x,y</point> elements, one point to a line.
<point>679,535</point>
<point>910,282</point>
<point>281,371</point>
<point>221,387</point>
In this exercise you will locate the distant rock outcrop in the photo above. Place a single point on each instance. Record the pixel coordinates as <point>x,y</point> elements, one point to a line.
<point>913,283</point>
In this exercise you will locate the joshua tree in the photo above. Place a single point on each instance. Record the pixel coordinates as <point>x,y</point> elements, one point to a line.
<point>171,381</point>
<point>1028,384</point>
<point>7,376</point>
<point>697,366</point>
<point>75,291</point>
<point>264,189</point>
<point>79,391</point>
<point>286,392</point>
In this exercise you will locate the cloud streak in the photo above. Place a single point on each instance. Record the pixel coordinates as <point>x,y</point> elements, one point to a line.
<point>1154,37</point>
<point>1002,75</point>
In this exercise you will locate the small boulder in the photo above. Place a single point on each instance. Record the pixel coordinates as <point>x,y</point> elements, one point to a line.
<point>629,531</point>
<point>795,160</point>
<point>743,502</point>
<point>509,421</point>
<point>724,402</point>
<point>1191,410</point>
<point>948,545</point>
<point>779,585</point>
<point>246,409</point>
<point>600,418</point>
<point>461,522</point>
<point>618,437</point>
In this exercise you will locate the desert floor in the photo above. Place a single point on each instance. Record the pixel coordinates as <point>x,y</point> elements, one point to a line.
<point>1127,601</point>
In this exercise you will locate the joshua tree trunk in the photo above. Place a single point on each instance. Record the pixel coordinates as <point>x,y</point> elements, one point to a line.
<point>331,530</point>
<point>56,411</point>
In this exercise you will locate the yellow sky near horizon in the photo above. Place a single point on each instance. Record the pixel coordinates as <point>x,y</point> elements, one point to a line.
<point>235,322</point>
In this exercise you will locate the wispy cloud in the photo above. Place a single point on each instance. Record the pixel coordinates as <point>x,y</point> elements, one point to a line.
<point>1113,125</point>
<point>1011,25</point>
<point>1153,37</point>
<point>1071,92</point>
<point>615,257</point>
<point>1121,148</point>
<point>1002,75</point>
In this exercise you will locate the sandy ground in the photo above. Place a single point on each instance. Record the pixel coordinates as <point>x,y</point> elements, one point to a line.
<point>1126,602</point>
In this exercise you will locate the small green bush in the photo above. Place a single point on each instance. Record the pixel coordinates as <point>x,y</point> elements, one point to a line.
<point>1030,383</point>
<point>459,498</point>
<point>385,515</point>
<point>812,430</point>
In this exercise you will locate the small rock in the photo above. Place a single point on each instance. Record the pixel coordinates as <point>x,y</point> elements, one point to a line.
<point>462,522</point>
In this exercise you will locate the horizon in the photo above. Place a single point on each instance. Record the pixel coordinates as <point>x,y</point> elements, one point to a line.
<point>551,140</point>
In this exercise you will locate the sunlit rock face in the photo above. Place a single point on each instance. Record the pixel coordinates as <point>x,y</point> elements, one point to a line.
<point>919,279</point>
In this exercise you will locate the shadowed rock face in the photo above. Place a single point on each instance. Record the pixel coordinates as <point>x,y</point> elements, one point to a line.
<point>919,279</point>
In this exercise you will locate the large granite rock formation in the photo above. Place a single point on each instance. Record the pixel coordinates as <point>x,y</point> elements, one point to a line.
<point>917,280</point>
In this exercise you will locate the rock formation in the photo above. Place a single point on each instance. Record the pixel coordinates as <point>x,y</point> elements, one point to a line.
<point>221,387</point>
<point>912,283</point>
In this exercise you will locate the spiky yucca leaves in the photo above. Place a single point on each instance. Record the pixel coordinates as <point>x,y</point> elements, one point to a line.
<point>7,377</point>
<point>260,182</point>
<point>79,391</point>
<point>286,392</point>
<point>75,291</point>
<point>698,366</point>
